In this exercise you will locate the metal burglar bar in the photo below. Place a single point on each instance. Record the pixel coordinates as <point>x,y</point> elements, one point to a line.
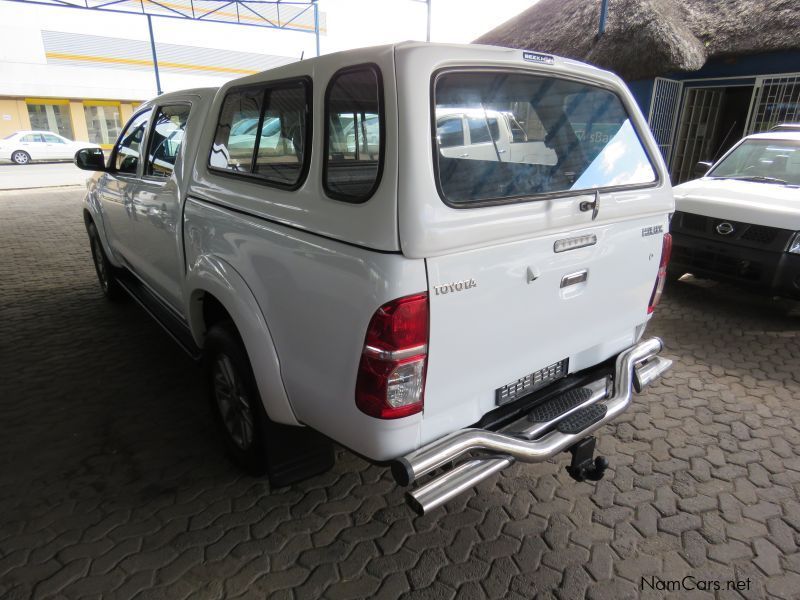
<point>700,116</point>
<point>777,101</point>
<point>664,112</point>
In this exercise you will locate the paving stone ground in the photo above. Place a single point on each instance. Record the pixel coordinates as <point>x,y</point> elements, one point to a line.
<point>113,485</point>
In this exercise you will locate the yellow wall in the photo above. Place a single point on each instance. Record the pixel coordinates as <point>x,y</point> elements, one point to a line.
<point>125,112</point>
<point>78,118</point>
<point>13,116</point>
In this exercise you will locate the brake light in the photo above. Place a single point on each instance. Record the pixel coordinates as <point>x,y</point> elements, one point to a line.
<point>391,374</point>
<point>666,251</point>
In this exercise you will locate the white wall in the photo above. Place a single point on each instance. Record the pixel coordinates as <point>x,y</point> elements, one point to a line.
<point>24,70</point>
<point>350,24</point>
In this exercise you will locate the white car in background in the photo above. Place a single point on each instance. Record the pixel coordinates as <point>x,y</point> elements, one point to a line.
<point>22,147</point>
<point>740,222</point>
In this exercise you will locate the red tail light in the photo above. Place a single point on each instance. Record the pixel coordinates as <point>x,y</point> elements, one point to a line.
<point>666,250</point>
<point>391,375</point>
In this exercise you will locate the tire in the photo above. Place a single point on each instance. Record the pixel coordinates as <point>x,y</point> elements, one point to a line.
<point>104,269</point>
<point>235,401</point>
<point>20,157</point>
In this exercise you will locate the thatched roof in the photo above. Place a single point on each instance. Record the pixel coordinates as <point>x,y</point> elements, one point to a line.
<point>645,38</point>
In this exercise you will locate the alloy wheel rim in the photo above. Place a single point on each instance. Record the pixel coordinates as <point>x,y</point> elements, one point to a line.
<point>20,158</point>
<point>232,402</point>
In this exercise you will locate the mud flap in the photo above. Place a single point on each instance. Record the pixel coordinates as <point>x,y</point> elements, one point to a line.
<point>296,453</point>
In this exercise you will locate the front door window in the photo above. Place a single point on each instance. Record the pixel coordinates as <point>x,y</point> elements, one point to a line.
<point>126,155</point>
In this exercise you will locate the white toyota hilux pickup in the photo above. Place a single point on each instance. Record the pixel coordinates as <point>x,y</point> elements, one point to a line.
<point>344,277</point>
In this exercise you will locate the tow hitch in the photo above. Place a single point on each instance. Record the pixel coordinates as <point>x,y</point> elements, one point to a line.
<point>566,423</point>
<point>584,464</point>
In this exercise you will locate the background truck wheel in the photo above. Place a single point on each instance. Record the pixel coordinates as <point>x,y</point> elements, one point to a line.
<point>104,269</point>
<point>21,157</point>
<point>255,443</point>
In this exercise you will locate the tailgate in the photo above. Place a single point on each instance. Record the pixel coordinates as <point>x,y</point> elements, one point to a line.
<point>516,313</point>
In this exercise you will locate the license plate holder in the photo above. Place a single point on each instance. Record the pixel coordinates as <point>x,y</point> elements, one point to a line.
<point>531,382</point>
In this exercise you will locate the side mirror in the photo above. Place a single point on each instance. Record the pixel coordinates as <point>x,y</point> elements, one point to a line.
<point>702,168</point>
<point>90,159</point>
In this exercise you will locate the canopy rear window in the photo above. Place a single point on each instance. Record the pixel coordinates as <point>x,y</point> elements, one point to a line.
<point>523,136</point>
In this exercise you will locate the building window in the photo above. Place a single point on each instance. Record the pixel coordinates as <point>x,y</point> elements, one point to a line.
<point>51,116</point>
<point>102,122</point>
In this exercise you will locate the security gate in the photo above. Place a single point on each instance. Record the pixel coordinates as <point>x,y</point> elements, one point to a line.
<point>664,112</point>
<point>777,100</point>
<point>696,132</point>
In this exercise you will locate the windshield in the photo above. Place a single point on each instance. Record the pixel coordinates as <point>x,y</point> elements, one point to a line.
<point>506,136</point>
<point>769,161</point>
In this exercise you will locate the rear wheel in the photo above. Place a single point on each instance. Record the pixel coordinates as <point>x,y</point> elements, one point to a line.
<point>253,441</point>
<point>104,269</point>
<point>20,157</point>
<point>235,400</point>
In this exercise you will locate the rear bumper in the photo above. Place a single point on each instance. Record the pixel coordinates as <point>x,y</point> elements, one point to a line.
<point>776,272</point>
<point>528,440</point>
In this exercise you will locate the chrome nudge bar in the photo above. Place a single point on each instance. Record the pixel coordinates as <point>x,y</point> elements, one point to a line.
<point>522,440</point>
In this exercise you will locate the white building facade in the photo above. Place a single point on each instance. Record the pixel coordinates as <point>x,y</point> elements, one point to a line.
<point>81,73</point>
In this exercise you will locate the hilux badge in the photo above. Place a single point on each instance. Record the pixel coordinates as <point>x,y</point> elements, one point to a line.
<point>652,230</point>
<point>456,286</point>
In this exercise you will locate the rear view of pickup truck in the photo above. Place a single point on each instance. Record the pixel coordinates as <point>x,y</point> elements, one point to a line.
<point>436,256</point>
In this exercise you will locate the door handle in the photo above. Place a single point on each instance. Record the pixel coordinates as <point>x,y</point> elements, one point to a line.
<point>574,278</point>
<point>594,206</point>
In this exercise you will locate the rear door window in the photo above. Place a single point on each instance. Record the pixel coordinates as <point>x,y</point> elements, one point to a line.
<point>354,133</point>
<point>169,128</point>
<point>483,130</point>
<point>569,137</point>
<point>264,132</point>
<point>450,132</point>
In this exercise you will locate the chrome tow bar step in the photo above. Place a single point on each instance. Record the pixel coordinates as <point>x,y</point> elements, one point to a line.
<point>581,419</point>
<point>531,441</point>
<point>555,407</point>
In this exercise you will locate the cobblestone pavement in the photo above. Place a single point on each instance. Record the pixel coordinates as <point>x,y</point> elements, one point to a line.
<point>112,483</point>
